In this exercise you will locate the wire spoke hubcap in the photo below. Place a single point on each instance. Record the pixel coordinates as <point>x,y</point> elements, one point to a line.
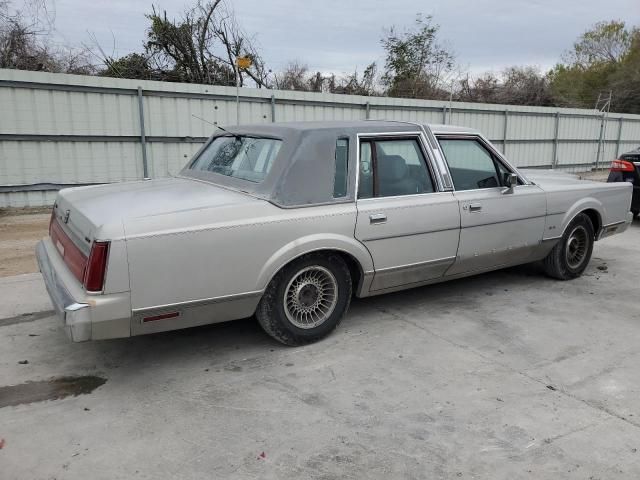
<point>310,297</point>
<point>576,248</point>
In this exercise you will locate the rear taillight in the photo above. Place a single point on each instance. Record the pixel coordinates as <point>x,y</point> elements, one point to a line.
<point>96,267</point>
<point>622,166</point>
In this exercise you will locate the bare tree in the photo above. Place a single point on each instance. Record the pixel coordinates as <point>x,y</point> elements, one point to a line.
<point>524,86</point>
<point>514,86</point>
<point>481,89</point>
<point>24,40</point>
<point>200,47</point>
<point>20,47</point>
<point>353,84</point>
<point>295,76</point>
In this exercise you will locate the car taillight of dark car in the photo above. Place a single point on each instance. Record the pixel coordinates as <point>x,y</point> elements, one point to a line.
<point>619,165</point>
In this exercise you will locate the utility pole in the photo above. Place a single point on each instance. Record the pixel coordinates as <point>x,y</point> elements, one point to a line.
<point>603,105</point>
<point>451,100</point>
<point>237,96</point>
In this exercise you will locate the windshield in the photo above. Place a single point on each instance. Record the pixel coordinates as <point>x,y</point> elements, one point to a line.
<point>248,158</point>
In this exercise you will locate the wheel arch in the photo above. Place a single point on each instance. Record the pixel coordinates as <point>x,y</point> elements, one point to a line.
<point>590,207</point>
<point>355,255</point>
<point>596,219</point>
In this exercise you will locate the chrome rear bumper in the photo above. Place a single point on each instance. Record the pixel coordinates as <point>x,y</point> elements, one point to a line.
<point>75,316</point>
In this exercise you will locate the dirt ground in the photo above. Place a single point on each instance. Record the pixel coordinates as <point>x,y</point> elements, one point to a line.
<point>20,230</point>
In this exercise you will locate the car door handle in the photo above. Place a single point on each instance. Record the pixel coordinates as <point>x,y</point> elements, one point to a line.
<point>475,207</point>
<point>377,218</point>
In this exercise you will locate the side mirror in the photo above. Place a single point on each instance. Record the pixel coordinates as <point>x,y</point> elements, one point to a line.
<point>510,181</point>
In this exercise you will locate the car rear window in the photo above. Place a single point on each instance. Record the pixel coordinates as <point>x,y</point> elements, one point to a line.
<point>239,156</point>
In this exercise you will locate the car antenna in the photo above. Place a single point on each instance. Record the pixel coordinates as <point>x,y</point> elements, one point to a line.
<point>215,125</point>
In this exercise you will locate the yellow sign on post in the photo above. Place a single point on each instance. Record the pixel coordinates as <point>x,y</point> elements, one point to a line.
<point>243,62</point>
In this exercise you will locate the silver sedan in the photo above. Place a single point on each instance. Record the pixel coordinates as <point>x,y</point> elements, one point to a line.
<point>289,221</point>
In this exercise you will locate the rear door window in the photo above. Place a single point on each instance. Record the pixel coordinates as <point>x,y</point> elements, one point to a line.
<point>393,167</point>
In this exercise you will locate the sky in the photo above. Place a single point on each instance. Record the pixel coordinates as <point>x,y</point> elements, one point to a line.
<point>341,35</point>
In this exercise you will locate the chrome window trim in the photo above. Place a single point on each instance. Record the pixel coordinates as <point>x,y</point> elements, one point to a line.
<point>412,195</point>
<point>439,160</point>
<point>426,152</point>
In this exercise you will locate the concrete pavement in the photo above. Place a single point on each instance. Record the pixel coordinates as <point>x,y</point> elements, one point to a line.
<point>23,294</point>
<point>509,375</point>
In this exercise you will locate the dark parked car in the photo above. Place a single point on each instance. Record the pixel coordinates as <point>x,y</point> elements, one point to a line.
<point>627,169</point>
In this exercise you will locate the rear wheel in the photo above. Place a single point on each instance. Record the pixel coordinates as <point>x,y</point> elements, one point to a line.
<point>306,300</point>
<point>571,255</point>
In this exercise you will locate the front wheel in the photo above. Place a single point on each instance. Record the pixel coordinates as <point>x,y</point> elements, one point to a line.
<point>571,255</point>
<point>306,300</point>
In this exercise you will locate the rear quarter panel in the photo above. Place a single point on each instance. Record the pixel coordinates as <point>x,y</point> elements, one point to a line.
<point>565,201</point>
<point>212,253</point>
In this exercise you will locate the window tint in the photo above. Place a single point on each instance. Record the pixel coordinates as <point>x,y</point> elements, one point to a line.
<point>392,168</point>
<point>365,182</point>
<point>342,168</point>
<point>471,165</point>
<point>237,156</point>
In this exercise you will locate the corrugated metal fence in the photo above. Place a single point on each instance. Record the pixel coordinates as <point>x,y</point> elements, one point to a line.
<point>60,130</point>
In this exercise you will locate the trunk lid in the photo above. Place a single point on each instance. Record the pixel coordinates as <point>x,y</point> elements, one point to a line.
<point>99,212</point>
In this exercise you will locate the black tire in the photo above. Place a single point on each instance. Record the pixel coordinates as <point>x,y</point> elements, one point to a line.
<point>562,262</point>
<point>277,318</point>
<point>635,214</point>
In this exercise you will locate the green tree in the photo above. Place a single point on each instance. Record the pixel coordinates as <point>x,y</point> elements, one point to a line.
<point>416,64</point>
<point>603,59</point>
<point>134,65</point>
<point>606,42</point>
<point>625,82</point>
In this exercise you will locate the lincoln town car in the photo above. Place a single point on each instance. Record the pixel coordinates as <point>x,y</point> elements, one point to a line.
<point>286,222</point>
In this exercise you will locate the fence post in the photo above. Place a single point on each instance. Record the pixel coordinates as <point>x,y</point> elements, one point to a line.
<point>556,130</point>
<point>143,138</point>
<point>600,141</point>
<point>444,115</point>
<point>620,121</point>
<point>504,132</point>
<point>273,108</point>
<point>367,107</point>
